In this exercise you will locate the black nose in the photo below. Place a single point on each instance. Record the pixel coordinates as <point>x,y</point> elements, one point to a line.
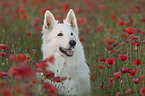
<point>72,43</point>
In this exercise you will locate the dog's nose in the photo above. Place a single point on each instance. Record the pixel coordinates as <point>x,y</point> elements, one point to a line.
<point>72,43</point>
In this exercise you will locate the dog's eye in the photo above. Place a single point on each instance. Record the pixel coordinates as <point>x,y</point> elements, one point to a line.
<point>71,34</point>
<point>60,34</point>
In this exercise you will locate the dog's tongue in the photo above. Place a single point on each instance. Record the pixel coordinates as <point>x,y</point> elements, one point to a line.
<point>69,52</point>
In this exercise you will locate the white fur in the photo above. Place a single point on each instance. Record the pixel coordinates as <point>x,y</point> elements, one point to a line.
<point>75,67</point>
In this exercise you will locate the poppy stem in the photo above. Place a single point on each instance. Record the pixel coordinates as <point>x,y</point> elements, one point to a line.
<point>130,52</point>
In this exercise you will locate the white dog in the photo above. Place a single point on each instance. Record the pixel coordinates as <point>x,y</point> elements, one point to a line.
<point>61,41</point>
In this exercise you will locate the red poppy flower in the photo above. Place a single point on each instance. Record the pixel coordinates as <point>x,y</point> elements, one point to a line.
<point>29,86</point>
<point>115,59</point>
<point>108,66</point>
<point>132,43</point>
<point>4,46</point>
<point>42,11</point>
<point>60,5</point>
<point>110,61</point>
<point>21,72</point>
<point>6,92</point>
<point>93,69</point>
<point>130,30</point>
<point>82,20</point>
<point>117,75</point>
<point>22,10</point>
<point>118,51</point>
<point>25,15</point>
<point>3,84</point>
<point>79,10</point>
<point>21,58</point>
<point>113,16</point>
<point>138,8</point>
<point>52,89</point>
<point>122,43</point>
<point>81,39</point>
<point>92,77</point>
<point>109,42</point>
<point>2,74</point>
<point>99,28</point>
<point>124,69</point>
<point>128,92</point>
<point>10,52</point>
<point>48,74</point>
<point>51,59</point>
<point>121,22</point>
<point>143,41</point>
<point>12,58</point>
<point>46,85</point>
<point>41,66</point>
<point>18,89</point>
<point>29,35</point>
<point>137,43</point>
<point>66,7</point>
<point>111,80</point>
<point>102,6</point>
<point>134,37</point>
<point>58,79</point>
<point>109,86</point>
<point>132,72</point>
<point>2,53</point>
<point>143,19</point>
<point>100,66</point>
<point>110,48</point>
<point>110,30</point>
<point>123,57</point>
<point>118,94</point>
<point>124,34</point>
<point>141,77</point>
<point>131,20</point>
<point>135,81</point>
<point>6,4</point>
<point>137,61</point>
<point>102,59</point>
<point>29,58</point>
<point>142,91</point>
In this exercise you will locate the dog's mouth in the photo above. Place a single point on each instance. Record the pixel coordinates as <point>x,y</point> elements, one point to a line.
<point>67,52</point>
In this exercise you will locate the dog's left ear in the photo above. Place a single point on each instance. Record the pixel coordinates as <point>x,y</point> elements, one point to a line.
<point>71,19</point>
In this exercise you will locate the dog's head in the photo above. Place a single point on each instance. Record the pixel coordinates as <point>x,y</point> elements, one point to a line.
<point>61,37</point>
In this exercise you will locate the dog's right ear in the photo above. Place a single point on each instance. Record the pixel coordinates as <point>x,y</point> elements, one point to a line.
<point>49,20</point>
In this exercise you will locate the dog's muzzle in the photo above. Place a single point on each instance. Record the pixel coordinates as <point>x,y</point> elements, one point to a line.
<point>68,52</point>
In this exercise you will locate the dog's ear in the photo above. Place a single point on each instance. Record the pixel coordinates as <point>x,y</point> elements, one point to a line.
<point>49,20</point>
<point>71,19</point>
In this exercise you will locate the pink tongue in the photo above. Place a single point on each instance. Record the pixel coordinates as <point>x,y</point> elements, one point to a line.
<point>69,52</point>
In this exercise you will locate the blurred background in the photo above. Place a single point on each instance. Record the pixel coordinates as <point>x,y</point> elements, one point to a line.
<point>102,25</point>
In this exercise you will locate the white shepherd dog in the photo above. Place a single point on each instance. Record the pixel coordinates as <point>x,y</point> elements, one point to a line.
<point>61,41</point>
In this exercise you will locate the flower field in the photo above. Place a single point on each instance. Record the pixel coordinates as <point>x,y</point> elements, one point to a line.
<point>111,31</point>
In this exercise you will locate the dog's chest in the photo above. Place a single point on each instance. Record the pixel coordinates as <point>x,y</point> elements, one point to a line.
<point>64,66</point>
